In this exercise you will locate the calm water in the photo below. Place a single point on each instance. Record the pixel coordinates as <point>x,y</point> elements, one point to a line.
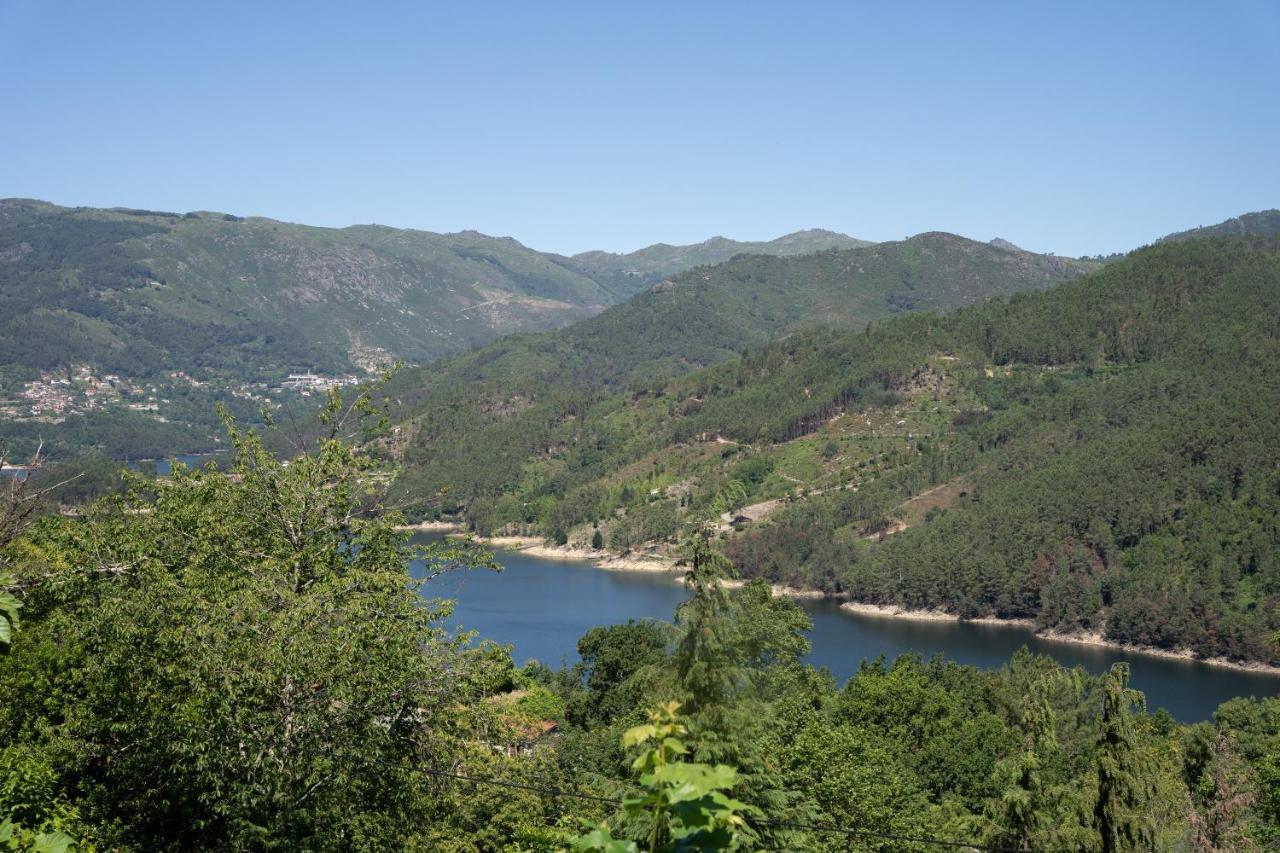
<point>164,467</point>
<point>543,606</point>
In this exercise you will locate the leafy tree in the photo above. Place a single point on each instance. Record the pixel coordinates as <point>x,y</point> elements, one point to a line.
<point>610,657</point>
<point>729,499</point>
<point>706,664</point>
<point>241,659</point>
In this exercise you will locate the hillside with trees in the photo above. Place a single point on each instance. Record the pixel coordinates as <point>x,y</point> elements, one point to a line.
<point>139,292</point>
<point>1262,223</point>
<point>471,423</point>
<point>186,311</point>
<point>1097,457</point>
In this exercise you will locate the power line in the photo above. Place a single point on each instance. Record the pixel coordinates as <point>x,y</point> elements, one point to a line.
<point>556,792</point>
<point>775,824</point>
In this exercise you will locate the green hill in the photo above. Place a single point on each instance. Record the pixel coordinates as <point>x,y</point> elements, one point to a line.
<point>1263,223</point>
<point>140,292</point>
<point>186,310</point>
<point>475,421</point>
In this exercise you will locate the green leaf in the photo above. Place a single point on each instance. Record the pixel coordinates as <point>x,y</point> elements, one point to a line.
<point>600,840</point>
<point>638,734</point>
<point>53,842</point>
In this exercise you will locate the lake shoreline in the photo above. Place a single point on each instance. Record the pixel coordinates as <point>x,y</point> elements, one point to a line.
<point>536,546</point>
<point>1081,638</point>
<point>431,527</point>
<point>928,615</point>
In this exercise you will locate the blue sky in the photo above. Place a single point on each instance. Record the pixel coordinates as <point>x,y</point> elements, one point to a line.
<point>1078,129</point>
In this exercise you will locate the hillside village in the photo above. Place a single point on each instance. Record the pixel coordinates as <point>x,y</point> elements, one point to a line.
<point>79,390</point>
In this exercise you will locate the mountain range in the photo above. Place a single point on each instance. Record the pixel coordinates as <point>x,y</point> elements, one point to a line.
<point>644,267</point>
<point>139,292</point>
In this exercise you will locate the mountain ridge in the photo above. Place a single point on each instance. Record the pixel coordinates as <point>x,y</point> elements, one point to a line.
<point>1260,223</point>
<point>506,397</point>
<point>402,293</point>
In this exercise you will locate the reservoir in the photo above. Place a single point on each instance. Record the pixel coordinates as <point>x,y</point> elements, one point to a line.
<point>164,467</point>
<point>541,607</point>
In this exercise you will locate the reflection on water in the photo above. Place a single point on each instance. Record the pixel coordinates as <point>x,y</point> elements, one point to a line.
<point>543,606</point>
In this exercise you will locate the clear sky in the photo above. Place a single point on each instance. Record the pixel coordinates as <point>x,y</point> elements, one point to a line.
<point>1078,129</point>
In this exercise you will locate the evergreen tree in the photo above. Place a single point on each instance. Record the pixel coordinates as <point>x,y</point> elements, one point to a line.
<point>1021,809</point>
<point>1122,790</point>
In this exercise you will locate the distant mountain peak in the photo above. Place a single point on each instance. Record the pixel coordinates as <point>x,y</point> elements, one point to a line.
<point>632,272</point>
<point>1001,243</point>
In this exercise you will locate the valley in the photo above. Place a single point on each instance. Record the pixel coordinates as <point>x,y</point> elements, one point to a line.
<point>639,428</point>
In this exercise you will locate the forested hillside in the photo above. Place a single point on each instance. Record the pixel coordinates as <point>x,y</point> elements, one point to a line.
<point>243,660</point>
<point>121,330</point>
<point>140,292</point>
<point>1263,223</point>
<point>474,421</point>
<point>1099,457</point>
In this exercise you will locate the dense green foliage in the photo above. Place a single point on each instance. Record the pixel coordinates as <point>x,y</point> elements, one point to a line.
<point>238,660</point>
<point>237,657</point>
<point>1122,481</point>
<point>1030,757</point>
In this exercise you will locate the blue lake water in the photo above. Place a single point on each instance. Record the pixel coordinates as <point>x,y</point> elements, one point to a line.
<point>164,467</point>
<point>541,607</point>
